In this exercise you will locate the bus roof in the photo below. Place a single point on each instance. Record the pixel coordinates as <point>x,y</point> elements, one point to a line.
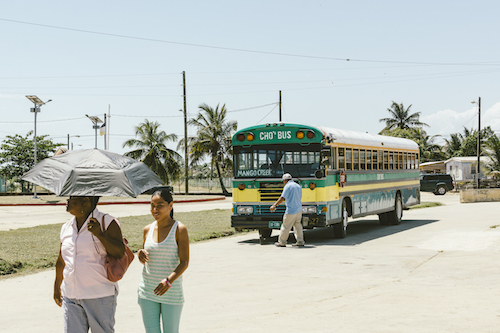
<point>365,139</point>
<point>321,134</point>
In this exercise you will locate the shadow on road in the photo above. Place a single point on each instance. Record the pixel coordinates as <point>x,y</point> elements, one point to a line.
<point>358,232</point>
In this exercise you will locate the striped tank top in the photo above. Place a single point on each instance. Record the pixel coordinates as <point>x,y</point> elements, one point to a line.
<point>163,260</point>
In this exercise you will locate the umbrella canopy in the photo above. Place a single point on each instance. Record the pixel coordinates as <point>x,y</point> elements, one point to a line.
<point>93,172</point>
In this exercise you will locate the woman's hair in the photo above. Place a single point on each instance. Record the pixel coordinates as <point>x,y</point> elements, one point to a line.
<point>166,195</point>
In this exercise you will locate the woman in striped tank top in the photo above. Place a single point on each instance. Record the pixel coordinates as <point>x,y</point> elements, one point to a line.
<point>165,255</point>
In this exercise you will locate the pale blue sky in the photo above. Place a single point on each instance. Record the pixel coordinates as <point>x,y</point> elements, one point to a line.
<point>435,55</point>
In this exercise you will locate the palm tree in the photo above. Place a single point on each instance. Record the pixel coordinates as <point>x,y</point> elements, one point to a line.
<point>401,118</point>
<point>152,150</point>
<point>213,137</point>
<point>493,152</point>
<point>452,145</point>
<point>429,151</point>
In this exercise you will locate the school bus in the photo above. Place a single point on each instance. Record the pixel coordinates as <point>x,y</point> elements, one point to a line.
<point>343,174</point>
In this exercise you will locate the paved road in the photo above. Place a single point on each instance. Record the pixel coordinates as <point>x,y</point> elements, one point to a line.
<point>14,217</point>
<point>436,272</point>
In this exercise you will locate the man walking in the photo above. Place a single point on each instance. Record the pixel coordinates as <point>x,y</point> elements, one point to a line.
<point>292,194</point>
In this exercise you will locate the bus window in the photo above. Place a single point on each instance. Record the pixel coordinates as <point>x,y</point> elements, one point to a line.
<point>244,161</point>
<point>341,158</point>
<point>375,160</point>
<point>400,160</point>
<point>355,159</point>
<point>416,161</point>
<point>396,164</point>
<point>412,161</point>
<point>368,160</point>
<point>386,160</point>
<point>391,160</point>
<point>333,163</point>
<point>348,159</point>
<point>380,160</point>
<point>362,160</point>
<point>405,160</point>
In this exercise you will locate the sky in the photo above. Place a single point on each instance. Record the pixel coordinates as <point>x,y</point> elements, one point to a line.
<point>338,64</point>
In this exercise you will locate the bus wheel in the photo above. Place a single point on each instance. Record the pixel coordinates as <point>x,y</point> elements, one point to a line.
<point>264,235</point>
<point>396,215</point>
<point>383,219</point>
<point>340,229</point>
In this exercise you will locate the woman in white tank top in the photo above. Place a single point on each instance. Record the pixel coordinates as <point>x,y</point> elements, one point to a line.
<point>165,255</point>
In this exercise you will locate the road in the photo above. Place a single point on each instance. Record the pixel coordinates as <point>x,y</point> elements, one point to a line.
<point>14,217</point>
<point>436,272</point>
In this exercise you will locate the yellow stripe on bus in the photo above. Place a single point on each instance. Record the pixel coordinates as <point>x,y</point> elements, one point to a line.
<point>329,193</point>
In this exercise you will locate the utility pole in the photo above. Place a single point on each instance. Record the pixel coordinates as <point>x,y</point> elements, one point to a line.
<point>108,124</point>
<point>280,105</point>
<point>105,130</point>
<point>185,136</point>
<point>478,142</point>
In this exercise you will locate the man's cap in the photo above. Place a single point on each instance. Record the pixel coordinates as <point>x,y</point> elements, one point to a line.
<point>287,176</point>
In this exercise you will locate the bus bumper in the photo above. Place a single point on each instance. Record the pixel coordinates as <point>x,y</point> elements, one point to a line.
<point>309,221</point>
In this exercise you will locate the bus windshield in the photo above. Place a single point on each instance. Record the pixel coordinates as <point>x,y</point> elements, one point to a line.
<point>274,161</point>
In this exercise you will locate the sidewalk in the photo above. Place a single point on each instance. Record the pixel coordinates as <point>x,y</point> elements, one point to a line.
<point>24,200</point>
<point>25,216</point>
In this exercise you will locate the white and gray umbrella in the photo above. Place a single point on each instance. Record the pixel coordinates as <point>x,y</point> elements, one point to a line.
<point>93,172</point>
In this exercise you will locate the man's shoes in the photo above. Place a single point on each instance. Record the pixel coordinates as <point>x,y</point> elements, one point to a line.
<point>278,244</point>
<point>298,244</point>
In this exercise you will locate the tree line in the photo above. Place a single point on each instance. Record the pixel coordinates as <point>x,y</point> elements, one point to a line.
<point>212,143</point>
<point>402,123</point>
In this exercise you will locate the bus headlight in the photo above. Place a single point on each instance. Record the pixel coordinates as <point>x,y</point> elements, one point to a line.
<point>309,210</point>
<point>244,210</point>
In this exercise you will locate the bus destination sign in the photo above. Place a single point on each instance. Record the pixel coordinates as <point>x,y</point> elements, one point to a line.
<point>275,135</point>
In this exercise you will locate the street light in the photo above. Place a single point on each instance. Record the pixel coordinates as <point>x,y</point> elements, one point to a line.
<point>478,139</point>
<point>38,103</point>
<point>95,120</point>
<point>72,136</point>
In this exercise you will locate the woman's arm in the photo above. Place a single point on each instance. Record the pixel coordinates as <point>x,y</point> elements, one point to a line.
<point>182,239</point>
<point>143,254</point>
<point>59,278</point>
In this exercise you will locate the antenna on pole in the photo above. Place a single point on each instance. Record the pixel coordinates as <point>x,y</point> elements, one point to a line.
<point>280,106</point>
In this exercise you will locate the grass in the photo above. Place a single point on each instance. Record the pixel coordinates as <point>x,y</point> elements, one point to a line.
<point>426,205</point>
<point>29,250</point>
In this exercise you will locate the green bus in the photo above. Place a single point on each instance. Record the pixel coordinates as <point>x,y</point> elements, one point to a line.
<point>342,174</point>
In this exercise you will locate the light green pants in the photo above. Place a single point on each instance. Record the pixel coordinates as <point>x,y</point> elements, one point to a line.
<point>152,312</point>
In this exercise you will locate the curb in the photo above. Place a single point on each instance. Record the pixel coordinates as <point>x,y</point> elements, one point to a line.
<point>115,202</point>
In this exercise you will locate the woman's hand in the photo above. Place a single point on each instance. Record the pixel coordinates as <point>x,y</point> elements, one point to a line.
<point>95,227</point>
<point>58,296</point>
<point>162,287</point>
<point>143,256</point>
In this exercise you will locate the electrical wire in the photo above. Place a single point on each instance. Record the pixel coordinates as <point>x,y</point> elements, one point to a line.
<point>242,50</point>
<point>267,114</point>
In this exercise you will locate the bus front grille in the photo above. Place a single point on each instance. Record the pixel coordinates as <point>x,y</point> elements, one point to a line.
<point>270,191</point>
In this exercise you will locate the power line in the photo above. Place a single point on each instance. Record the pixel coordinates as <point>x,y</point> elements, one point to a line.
<point>240,49</point>
<point>252,108</point>
<point>267,114</point>
<point>40,121</point>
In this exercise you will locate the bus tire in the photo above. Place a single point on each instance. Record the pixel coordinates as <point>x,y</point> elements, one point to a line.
<point>383,219</point>
<point>264,235</point>
<point>340,229</point>
<point>396,215</point>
